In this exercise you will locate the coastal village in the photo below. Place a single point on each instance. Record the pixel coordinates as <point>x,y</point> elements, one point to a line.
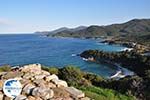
<point>38,84</point>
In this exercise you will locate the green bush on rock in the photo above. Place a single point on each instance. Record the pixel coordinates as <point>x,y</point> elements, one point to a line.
<point>52,70</point>
<point>5,68</point>
<point>71,74</point>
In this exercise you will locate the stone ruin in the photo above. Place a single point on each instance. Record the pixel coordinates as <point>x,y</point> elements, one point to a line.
<point>38,84</point>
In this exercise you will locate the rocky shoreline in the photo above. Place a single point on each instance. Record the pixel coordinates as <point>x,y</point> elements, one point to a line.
<point>130,46</point>
<point>38,84</point>
<point>123,72</point>
<point>137,63</point>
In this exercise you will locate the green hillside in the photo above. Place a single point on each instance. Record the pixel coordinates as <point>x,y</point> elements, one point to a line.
<point>137,30</point>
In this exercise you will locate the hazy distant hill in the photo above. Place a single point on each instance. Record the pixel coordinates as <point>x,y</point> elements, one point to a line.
<point>137,30</point>
<point>133,27</point>
<point>60,30</point>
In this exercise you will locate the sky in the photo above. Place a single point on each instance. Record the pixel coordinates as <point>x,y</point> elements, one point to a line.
<point>27,16</point>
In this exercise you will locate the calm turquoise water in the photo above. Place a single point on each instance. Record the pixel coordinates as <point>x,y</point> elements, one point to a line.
<point>26,49</point>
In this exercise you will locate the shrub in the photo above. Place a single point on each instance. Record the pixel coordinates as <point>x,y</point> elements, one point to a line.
<point>52,70</point>
<point>71,74</point>
<point>93,78</point>
<point>5,68</point>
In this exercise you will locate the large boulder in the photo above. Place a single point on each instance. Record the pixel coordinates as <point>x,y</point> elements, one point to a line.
<point>34,98</point>
<point>25,82</point>
<point>12,74</point>
<point>28,76</point>
<point>60,93</point>
<point>28,89</point>
<point>32,68</point>
<point>51,85</point>
<point>43,72</point>
<point>85,98</point>
<point>44,93</point>
<point>1,96</point>
<point>21,97</point>
<point>51,77</point>
<point>3,73</point>
<point>41,76</point>
<point>60,98</point>
<point>38,82</point>
<point>1,84</point>
<point>31,98</point>
<point>60,83</point>
<point>6,98</point>
<point>75,93</point>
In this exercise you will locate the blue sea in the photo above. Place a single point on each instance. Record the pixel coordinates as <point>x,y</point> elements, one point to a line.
<point>23,49</point>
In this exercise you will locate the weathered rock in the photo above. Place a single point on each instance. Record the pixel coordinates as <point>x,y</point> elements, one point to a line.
<point>38,82</point>
<point>60,83</point>
<point>18,78</point>
<point>75,93</point>
<point>25,82</point>
<point>50,77</point>
<point>31,98</point>
<point>45,72</point>
<point>1,84</point>
<point>28,76</point>
<point>21,97</point>
<point>28,89</point>
<point>85,98</point>
<point>60,93</point>
<point>6,98</point>
<point>44,93</point>
<point>51,85</point>
<point>1,96</point>
<point>38,98</point>
<point>68,98</point>
<point>39,76</point>
<point>3,73</point>
<point>43,85</point>
<point>34,98</point>
<point>14,74</point>
<point>32,68</point>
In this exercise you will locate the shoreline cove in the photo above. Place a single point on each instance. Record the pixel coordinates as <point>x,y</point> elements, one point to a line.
<point>121,72</point>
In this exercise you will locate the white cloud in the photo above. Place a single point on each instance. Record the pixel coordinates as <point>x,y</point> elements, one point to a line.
<point>6,25</point>
<point>5,22</point>
<point>13,26</point>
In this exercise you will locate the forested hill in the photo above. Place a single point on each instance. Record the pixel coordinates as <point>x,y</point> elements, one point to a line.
<point>137,30</point>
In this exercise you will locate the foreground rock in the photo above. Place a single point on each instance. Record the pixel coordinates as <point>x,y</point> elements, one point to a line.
<point>75,93</point>
<point>43,92</point>
<point>38,84</point>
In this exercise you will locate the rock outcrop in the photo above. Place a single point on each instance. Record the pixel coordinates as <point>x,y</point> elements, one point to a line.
<point>38,84</point>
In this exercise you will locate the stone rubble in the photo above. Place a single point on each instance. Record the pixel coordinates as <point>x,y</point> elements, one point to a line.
<point>38,84</point>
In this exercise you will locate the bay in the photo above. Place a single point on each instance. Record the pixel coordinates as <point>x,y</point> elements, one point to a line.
<point>20,49</point>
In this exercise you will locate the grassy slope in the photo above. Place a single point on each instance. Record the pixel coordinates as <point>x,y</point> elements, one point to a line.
<point>98,93</point>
